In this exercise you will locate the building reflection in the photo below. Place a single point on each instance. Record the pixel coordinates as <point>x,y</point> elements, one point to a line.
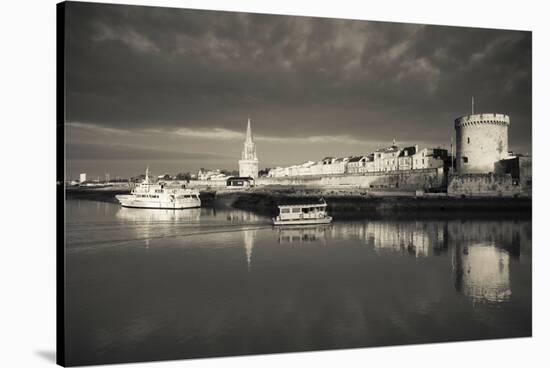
<point>480,252</point>
<point>482,272</point>
<point>240,216</point>
<point>418,239</point>
<point>303,234</point>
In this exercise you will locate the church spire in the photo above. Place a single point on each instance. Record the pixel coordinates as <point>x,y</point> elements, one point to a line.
<point>248,131</point>
<point>248,165</point>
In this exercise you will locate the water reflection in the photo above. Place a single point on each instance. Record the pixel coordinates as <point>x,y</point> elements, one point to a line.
<point>350,284</point>
<point>482,272</point>
<point>148,223</point>
<point>249,236</point>
<point>240,216</point>
<point>303,234</point>
<point>480,256</point>
<point>159,215</point>
<point>419,239</point>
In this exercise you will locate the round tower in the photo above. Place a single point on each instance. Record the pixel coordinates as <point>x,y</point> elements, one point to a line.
<point>481,140</point>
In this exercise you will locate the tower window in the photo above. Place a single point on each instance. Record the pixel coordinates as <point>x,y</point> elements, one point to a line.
<point>468,140</point>
<point>465,160</point>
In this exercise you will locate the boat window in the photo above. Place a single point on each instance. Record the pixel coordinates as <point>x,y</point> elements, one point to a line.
<point>296,210</point>
<point>285,210</point>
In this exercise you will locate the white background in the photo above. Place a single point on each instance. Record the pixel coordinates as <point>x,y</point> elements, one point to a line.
<point>27,208</point>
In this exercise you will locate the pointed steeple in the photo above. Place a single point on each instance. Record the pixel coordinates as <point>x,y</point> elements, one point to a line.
<point>248,132</point>
<point>248,165</point>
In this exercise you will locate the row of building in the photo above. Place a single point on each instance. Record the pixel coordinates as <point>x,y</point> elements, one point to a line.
<point>387,159</point>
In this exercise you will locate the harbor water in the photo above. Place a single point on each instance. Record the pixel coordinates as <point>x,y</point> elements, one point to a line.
<point>147,284</point>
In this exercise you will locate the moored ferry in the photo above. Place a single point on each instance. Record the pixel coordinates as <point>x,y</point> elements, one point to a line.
<point>303,214</point>
<point>158,195</point>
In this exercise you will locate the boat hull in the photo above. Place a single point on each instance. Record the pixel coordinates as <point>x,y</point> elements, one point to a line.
<point>324,220</point>
<point>130,201</point>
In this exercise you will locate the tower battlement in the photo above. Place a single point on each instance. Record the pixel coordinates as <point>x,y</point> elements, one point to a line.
<point>475,119</point>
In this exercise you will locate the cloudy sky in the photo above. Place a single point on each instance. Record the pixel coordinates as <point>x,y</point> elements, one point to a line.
<point>173,88</point>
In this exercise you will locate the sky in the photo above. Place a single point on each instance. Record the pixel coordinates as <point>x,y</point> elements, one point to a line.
<point>173,88</point>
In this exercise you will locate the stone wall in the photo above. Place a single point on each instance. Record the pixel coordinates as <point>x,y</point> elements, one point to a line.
<point>426,179</point>
<point>488,185</point>
<point>206,183</point>
<point>520,168</point>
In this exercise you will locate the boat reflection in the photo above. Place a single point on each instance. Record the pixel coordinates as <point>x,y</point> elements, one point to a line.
<point>150,223</point>
<point>303,234</point>
<point>158,215</point>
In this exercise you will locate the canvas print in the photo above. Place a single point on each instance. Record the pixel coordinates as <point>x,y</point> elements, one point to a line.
<point>236,183</point>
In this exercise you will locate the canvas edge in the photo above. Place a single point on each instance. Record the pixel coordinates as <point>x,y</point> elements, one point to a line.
<point>60,187</point>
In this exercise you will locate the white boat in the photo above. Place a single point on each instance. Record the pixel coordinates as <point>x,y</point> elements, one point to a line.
<point>303,214</point>
<point>159,195</point>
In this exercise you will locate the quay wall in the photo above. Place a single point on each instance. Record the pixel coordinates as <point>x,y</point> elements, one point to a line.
<point>484,185</point>
<point>422,179</point>
<point>206,184</point>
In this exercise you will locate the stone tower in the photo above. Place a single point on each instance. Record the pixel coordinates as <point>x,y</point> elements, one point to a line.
<point>248,164</point>
<point>481,140</point>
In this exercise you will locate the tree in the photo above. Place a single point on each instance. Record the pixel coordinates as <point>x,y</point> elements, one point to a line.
<point>229,172</point>
<point>264,172</point>
<point>183,176</point>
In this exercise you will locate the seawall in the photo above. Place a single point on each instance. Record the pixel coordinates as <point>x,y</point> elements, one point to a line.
<point>361,205</point>
<point>423,179</point>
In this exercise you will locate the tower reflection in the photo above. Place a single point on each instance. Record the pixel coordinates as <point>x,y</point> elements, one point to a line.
<point>482,272</point>
<point>249,237</point>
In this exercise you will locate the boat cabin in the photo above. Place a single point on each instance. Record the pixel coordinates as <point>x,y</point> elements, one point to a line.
<point>302,211</point>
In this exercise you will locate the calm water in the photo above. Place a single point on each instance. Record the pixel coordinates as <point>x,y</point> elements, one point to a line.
<point>155,284</point>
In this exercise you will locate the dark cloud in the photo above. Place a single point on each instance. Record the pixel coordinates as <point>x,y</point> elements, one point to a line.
<point>98,151</point>
<point>137,67</point>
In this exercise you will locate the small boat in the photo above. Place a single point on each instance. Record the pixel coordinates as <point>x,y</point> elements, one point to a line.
<point>159,195</point>
<point>303,214</point>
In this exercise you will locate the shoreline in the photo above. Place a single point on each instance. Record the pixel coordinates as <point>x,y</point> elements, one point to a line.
<point>348,204</point>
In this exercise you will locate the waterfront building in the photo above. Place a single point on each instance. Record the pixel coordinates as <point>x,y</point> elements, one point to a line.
<point>248,164</point>
<point>239,183</point>
<point>82,177</point>
<point>429,158</point>
<point>214,174</point>
<point>385,159</point>
<point>405,159</point>
<point>356,164</point>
